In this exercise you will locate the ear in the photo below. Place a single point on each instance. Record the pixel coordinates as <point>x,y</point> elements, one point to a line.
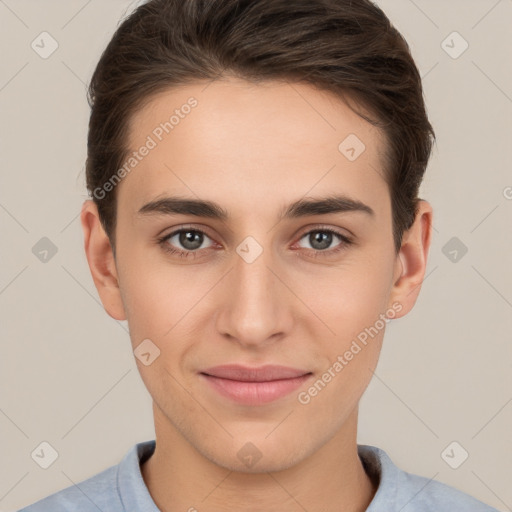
<point>101,261</point>
<point>411,261</point>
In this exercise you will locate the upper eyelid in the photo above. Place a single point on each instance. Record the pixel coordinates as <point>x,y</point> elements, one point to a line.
<point>183,227</point>
<point>337,231</point>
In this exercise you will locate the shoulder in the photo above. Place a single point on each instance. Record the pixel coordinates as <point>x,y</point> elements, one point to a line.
<point>98,492</point>
<point>407,492</point>
<point>424,494</point>
<point>109,490</point>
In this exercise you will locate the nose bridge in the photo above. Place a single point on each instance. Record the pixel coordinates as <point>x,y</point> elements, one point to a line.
<point>253,279</point>
<point>254,306</point>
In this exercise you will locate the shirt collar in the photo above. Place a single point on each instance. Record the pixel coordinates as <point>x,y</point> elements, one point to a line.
<point>377,464</point>
<point>133,492</point>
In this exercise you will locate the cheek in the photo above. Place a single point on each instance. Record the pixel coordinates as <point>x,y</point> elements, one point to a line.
<point>347,298</point>
<point>351,308</point>
<point>158,297</point>
<point>162,305</point>
<point>155,301</point>
<point>350,301</point>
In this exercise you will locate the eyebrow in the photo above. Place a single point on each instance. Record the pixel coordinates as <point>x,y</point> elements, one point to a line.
<point>301,208</point>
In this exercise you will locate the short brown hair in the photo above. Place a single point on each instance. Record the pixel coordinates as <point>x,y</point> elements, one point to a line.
<point>347,47</point>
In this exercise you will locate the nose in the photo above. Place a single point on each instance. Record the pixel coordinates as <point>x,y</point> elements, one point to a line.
<point>255,307</point>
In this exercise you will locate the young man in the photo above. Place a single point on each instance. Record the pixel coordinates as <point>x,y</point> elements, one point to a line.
<point>254,169</point>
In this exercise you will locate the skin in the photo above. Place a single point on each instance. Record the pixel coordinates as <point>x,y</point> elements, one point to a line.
<point>254,149</point>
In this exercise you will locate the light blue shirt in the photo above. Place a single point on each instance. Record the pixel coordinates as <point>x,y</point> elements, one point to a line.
<point>121,488</point>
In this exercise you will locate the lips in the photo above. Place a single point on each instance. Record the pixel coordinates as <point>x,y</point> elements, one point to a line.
<point>260,374</point>
<point>254,386</point>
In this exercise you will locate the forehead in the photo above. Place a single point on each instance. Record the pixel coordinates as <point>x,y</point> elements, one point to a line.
<point>231,138</point>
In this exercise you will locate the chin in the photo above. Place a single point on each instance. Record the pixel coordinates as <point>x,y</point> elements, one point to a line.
<point>252,457</point>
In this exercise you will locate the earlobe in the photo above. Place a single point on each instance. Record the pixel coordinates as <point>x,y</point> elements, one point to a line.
<point>412,259</point>
<point>100,258</point>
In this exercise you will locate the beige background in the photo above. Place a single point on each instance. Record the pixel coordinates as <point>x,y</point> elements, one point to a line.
<point>67,374</point>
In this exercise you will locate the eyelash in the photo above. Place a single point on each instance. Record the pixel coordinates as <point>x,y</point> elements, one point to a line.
<point>345,242</point>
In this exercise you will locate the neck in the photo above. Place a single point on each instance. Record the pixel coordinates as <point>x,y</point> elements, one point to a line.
<point>180,478</point>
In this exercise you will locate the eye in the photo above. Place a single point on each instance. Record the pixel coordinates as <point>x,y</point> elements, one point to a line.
<point>188,242</point>
<point>321,239</point>
<point>184,242</point>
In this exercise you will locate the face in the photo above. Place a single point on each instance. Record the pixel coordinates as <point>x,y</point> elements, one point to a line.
<point>270,282</point>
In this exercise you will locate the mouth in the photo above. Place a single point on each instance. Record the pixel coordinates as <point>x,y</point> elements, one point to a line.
<point>254,386</point>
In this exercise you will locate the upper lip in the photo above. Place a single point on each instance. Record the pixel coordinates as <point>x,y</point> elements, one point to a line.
<point>254,374</point>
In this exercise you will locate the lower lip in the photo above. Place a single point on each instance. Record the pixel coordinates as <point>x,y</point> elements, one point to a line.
<point>255,393</point>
